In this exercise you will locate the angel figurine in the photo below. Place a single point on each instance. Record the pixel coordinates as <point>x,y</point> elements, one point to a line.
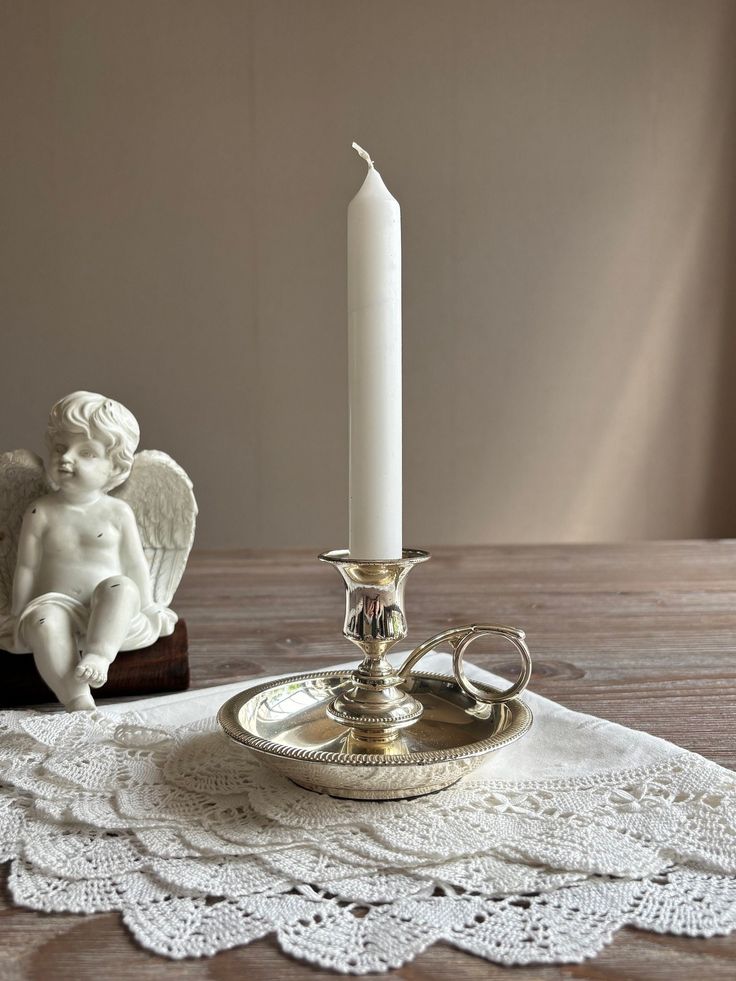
<point>98,542</point>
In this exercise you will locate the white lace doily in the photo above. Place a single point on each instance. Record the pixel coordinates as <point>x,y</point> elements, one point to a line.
<point>540,856</point>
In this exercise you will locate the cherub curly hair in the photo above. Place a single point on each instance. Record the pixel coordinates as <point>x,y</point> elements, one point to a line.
<point>100,418</point>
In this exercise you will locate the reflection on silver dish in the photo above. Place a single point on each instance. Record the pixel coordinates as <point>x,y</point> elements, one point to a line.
<point>285,725</point>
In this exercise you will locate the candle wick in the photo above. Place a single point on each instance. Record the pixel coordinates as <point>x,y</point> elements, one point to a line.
<point>364,154</point>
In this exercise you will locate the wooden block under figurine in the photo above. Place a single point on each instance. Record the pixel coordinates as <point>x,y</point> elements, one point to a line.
<point>162,667</point>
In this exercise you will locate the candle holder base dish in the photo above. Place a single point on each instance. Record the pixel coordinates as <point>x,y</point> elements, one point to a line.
<point>381,732</point>
<point>286,725</point>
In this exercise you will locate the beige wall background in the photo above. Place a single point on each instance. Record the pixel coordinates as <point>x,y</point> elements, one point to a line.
<point>174,183</point>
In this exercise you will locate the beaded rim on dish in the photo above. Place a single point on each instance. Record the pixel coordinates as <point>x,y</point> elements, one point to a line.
<point>228,718</point>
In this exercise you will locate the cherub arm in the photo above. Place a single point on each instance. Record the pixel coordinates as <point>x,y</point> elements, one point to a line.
<point>29,559</point>
<point>133,559</point>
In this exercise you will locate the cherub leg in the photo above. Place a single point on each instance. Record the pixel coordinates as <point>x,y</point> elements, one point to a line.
<point>52,638</point>
<point>114,604</point>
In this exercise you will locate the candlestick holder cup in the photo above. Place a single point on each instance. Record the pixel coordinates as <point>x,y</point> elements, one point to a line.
<point>376,706</point>
<point>379,731</point>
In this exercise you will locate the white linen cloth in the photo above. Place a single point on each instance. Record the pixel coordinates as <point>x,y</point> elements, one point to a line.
<point>560,839</point>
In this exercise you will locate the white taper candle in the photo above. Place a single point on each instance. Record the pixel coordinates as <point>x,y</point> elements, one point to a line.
<point>374,374</point>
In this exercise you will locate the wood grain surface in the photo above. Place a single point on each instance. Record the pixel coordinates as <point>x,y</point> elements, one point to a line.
<point>639,633</point>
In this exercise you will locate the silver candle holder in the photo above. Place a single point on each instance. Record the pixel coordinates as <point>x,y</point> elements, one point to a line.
<point>381,732</point>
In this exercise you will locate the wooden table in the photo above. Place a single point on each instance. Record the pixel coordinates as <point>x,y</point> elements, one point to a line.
<point>642,634</point>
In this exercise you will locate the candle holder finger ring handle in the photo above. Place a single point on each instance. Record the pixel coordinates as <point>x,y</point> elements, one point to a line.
<point>459,639</point>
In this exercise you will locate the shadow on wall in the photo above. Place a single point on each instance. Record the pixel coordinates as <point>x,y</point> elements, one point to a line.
<point>665,460</point>
<point>593,359</point>
<point>721,508</point>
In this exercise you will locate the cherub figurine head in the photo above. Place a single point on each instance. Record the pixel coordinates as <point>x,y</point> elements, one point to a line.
<point>90,427</point>
<point>83,588</point>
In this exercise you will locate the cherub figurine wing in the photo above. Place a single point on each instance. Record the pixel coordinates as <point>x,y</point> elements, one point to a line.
<point>22,480</point>
<point>160,494</point>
